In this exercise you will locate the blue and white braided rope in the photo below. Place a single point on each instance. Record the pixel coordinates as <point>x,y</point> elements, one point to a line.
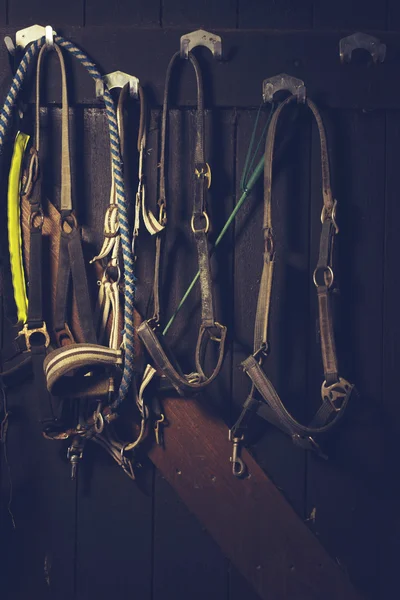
<point>128,262</point>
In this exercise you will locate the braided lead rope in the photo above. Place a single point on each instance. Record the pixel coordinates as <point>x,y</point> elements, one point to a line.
<point>128,263</point>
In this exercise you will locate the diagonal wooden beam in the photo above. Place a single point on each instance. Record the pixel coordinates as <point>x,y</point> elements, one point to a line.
<point>251,521</point>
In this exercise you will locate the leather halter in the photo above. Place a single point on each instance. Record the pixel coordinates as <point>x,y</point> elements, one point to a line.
<point>335,391</point>
<point>210,329</point>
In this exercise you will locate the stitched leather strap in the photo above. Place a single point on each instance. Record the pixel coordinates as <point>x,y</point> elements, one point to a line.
<point>210,329</point>
<point>335,391</point>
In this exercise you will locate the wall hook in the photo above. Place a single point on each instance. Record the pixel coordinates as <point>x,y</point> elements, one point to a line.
<point>23,37</point>
<point>201,38</point>
<point>361,40</point>
<point>284,82</point>
<point>118,79</point>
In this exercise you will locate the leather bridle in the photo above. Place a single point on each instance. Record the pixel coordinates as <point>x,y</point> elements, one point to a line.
<point>335,390</point>
<point>210,329</point>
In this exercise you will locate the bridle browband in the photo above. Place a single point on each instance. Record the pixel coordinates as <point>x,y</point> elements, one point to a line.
<point>210,329</point>
<point>335,391</point>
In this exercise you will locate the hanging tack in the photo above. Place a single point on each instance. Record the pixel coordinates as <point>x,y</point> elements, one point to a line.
<point>201,38</point>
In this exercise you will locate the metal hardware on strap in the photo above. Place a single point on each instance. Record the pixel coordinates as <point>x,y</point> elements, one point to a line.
<point>330,214</point>
<point>28,333</point>
<point>200,229</point>
<point>238,466</point>
<point>336,392</point>
<point>308,443</point>
<point>204,172</point>
<point>328,276</point>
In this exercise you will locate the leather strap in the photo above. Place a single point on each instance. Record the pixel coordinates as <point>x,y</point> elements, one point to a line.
<point>335,391</point>
<point>210,329</point>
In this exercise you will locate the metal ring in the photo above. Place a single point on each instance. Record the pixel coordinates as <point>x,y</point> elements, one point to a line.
<point>37,213</point>
<point>204,229</point>
<point>98,416</point>
<point>70,220</point>
<point>327,268</point>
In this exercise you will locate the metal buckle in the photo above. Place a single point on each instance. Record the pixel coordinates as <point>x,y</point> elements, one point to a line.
<point>27,333</point>
<point>336,391</point>
<point>203,229</point>
<point>325,215</point>
<point>64,334</point>
<point>263,349</point>
<point>206,173</point>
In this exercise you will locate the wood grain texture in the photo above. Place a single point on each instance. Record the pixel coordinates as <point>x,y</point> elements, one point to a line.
<point>345,489</point>
<point>269,14</point>
<point>300,54</point>
<point>277,553</point>
<point>199,15</point>
<point>354,15</point>
<point>46,12</point>
<point>123,12</point>
<point>389,535</point>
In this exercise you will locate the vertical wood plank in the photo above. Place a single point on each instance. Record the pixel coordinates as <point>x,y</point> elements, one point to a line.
<point>268,14</point>
<point>389,543</point>
<point>286,362</point>
<point>112,509</point>
<point>206,564</point>
<point>393,15</point>
<point>58,14</point>
<point>355,15</point>
<point>42,545</point>
<point>344,490</point>
<point>187,562</point>
<point>199,15</point>
<point>123,12</point>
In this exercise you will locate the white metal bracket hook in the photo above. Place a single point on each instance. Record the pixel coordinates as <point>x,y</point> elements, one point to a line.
<point>118,79</point>
<point>201,38</point>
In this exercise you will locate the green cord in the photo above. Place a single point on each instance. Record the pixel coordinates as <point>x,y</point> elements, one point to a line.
<point>246,189</point>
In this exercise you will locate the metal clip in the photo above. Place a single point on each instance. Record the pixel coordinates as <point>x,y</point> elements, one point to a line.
<point>213,42</point>
<point>23,37</point>
<point>364,41</point>
<point>325,215</point>
<point>75,454</point>
<point>283,82</point>
<point>158,430</point>
<point>238,466</point>
<point>117,79</point>
<point>308,443</point>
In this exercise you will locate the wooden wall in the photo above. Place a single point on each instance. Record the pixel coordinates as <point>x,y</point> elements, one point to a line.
<point>105,536</point>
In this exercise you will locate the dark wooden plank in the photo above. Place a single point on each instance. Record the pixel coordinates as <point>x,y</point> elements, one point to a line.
<point>205,571</point>
<point>136,14</point>
<point>345,489</point>
<point>23,14</point>
<point>390,548</point>
<point>249,519</point>
<point>297,53</point>
<point>199,15</point>
<point>290,14</point>
<point>42,545</point>
<point>187,562</point>
<point>286,362</point>
<point>112,509</point>
<point>355,15</point>
<point>393,15</point>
